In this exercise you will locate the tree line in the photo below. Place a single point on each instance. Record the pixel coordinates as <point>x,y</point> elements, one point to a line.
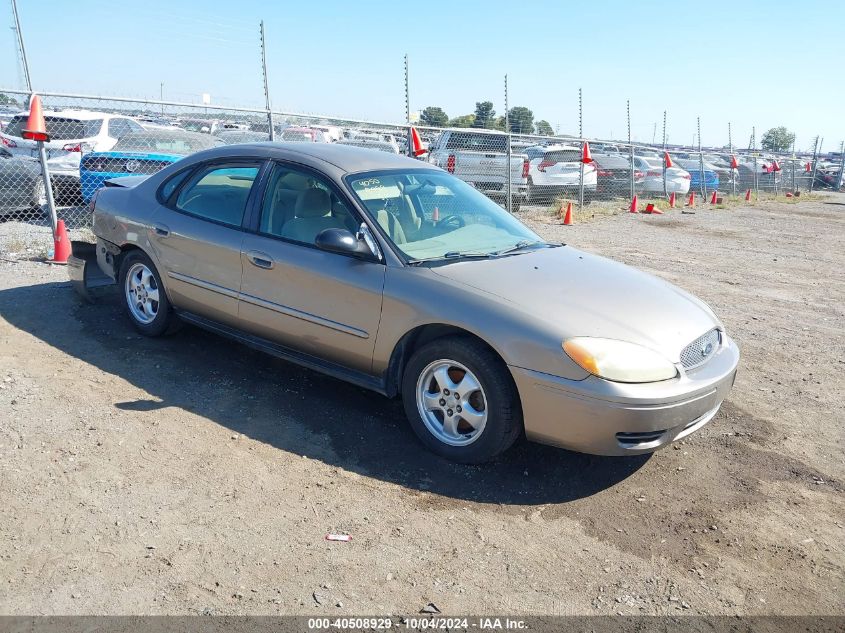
<point>520,119</point>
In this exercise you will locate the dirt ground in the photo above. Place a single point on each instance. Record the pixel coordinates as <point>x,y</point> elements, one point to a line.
<point>190,475</point>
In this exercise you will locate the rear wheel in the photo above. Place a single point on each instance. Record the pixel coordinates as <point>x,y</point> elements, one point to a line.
<point>144,297</point>
<point>461,400</point>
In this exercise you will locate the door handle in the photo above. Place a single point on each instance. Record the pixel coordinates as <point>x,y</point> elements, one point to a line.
<point>161,230</point>
<point>262,260</point>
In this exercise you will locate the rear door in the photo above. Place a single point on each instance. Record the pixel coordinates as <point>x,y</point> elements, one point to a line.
<point>197,235</point>
<point>327,305</point>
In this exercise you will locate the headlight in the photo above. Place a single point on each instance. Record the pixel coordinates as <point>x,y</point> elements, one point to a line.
<point>619,361</point>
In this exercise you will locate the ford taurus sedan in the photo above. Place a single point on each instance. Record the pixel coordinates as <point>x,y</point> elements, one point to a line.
<point>396,276</point>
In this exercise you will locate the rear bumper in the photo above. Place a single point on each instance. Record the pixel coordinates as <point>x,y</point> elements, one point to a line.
<point>604,418</point>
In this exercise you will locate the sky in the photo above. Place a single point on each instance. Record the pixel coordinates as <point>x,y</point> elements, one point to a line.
<point>747,63</point>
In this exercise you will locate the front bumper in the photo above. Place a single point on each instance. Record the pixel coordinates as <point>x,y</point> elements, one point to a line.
<point>606,418</point>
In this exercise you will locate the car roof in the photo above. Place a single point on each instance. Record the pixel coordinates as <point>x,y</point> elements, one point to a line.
<point>348,158</point>
<point>82,115</point>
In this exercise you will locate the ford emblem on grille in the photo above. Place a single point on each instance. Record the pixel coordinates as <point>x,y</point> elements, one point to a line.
<point>706,349</point>
<point>132,165</point>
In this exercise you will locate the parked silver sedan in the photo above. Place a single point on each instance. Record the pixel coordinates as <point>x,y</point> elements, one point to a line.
<point>396,276</point>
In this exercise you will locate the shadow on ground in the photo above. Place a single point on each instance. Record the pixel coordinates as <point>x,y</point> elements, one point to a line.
<point>290,408</point>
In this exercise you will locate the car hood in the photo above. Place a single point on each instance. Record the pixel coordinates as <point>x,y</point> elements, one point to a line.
<point>581,294</point>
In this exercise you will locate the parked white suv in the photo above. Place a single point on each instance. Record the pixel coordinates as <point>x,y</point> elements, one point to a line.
<point>72,133</point>
<point>556,169</point>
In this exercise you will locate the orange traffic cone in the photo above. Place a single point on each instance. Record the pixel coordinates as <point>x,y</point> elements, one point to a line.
<point>788,194</point>
<point>691,201</point>
<point>713,198</point>
<point>416,143</point>
<point>633,207</point>
<point>672,200</point>
<point>35,129</point>
<point>61,244</point>
<point>807,168</point>
<point>585,153</point>
<point>734,163</point>
<point>650,208</point>
<point>667,160</point>
<point>567,217</point>
<point>748,195</point>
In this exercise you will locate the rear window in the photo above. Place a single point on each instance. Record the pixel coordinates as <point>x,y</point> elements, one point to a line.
<point>163,143</point>
<point>58,128</point>
<point>477,142</point>
<point>563,156</point>
<point>612,162</point>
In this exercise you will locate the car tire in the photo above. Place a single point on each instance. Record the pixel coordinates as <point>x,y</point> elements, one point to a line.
<point>468,428</point>
<point>143,295</point>
<point>530,194</point>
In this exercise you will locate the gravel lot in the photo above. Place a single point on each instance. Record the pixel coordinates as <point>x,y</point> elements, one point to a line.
<point>190,475</point>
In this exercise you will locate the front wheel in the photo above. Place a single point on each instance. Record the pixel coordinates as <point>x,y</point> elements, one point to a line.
<point>461,400</point>
<point>144,297</point>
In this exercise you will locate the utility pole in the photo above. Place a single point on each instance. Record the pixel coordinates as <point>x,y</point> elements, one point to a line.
<point>631,147</point>
<point>510,153</point>
<point>21,46</point>
<point>266,83</point>
<point>161,94</point>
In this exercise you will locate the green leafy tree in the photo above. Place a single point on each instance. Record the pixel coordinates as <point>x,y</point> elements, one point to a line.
<point>484,114</point>
<point>521,120</point>
<point>7,100</point>
<point>778,139</point>
<point>434,116</point>
<point>498,124</point>
<point>467,120</point>
<point>544,128</point>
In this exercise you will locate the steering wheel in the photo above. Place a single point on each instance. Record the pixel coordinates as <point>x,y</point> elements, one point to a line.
<point>455,221</point>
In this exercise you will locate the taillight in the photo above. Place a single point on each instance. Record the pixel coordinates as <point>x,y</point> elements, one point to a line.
<point>687,177</point>
<point>546,163</point>
<point>73,147</point>
<point>638,174</point>
<point>450,164</point>
<point>93,201</point>
<point>8,142</point>
<point>525,168</point>
<point>604,173</point>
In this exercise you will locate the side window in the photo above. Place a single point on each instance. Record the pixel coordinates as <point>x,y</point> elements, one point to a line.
<point>171,185</point>
<point>135,127</point>
<point>218,193</point>
<point>297,206</point>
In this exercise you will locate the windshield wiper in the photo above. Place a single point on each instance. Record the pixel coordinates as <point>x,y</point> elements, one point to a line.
<point>522,244</point>
<point>453,255</point>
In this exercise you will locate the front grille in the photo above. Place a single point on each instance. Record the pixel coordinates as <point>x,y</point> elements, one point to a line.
<point>701,349</point>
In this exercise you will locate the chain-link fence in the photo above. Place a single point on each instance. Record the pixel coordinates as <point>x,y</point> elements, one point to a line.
<point>95,139</point>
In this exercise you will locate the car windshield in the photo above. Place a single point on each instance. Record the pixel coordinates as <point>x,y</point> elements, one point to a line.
<point>58,128</point>
<point>433,215</point>
<point>158,142</point>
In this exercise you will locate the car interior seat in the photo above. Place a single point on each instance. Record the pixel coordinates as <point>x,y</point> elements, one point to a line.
<point>312,214</point>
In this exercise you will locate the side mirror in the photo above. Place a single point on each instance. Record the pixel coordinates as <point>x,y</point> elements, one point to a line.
<point>342,241</point>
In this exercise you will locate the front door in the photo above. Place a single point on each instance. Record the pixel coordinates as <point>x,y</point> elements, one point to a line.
<point>197,239</point>
<point>324,304</point>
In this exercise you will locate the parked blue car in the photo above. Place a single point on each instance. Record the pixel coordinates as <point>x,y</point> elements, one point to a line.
<point>693,166</point>
<point>141,153</point>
